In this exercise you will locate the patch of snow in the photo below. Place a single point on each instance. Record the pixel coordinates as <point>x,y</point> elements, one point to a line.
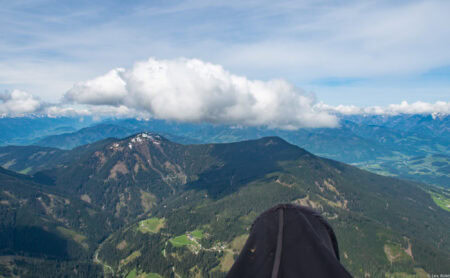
<point>136,139</point>
<point>114,146</point>
<point>145,136</point>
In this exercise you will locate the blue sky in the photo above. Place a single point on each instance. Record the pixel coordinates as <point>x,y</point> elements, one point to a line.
<point>360,53</point>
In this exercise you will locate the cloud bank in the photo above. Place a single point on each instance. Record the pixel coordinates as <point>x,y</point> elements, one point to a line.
<point>190,90</point>
<point>419,107</point>
<point>18,103</point>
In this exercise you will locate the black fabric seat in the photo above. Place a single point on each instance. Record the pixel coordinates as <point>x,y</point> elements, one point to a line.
<point>289,241</point>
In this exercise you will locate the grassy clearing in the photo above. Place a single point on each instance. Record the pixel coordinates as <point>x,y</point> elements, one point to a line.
<point>238,243</point>
<point>132,274</point>
<point>152,275</point>
<point>181,241</point>
<point>249,218</point>
<point>25,171</point>
<point>198,234</point>
<point>195,272</point>
<point>147,200</point>
<point>226,262</point>
<point>188,238</point>
<point>70,234</point>
<point>420,273</point>
<point>151,225</point>
<point>130,258</point>
<point>122,245</point>
<point>9,164</point>
<point>395,253</point>
<point>440,200</point>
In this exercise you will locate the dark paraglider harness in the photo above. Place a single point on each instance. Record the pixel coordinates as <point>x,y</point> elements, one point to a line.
<point>289,241</point>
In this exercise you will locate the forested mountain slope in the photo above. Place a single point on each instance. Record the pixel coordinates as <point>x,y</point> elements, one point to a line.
<point>186,209</point>
<point>44,232</point>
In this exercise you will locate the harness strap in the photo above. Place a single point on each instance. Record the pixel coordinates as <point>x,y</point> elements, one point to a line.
<point>277,261</point>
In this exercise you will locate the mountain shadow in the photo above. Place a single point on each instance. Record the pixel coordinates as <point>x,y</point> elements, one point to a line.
<point>32,241</point>
<point>243,162</point>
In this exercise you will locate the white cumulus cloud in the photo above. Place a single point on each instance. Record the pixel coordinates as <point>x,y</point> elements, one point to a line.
<point>190,90</point>
<point>419,107</point>
<point>96,111</point>
<point>108,89</point>
<point>18,103</point>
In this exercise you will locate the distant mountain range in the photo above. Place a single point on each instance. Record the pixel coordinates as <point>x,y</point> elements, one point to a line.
<point>387,145</point>
<point>98,132</point>
<point>26,130</point>
<point>144,205</point>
